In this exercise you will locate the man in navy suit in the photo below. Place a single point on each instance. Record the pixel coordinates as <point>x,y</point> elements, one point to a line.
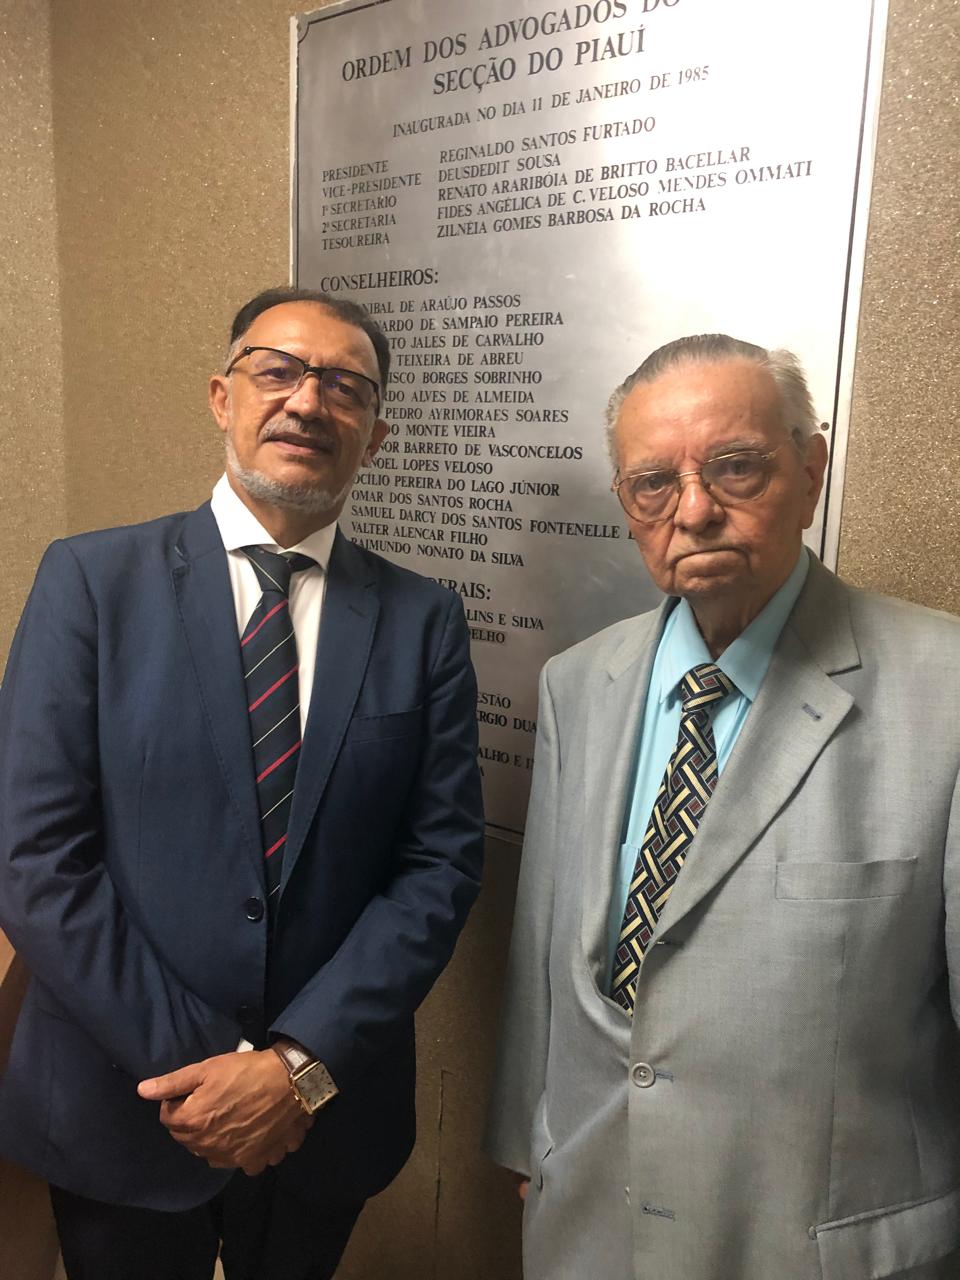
<point>217,1043</point>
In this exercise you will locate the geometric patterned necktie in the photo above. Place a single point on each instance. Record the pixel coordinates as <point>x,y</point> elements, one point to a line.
<point>687,785</point>
<point>271,670</point>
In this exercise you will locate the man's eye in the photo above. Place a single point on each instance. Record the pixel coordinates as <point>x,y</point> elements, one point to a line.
<point>736,467</point>
<point>275,373</point>
<point>345,389</point>
<point>651,483</point>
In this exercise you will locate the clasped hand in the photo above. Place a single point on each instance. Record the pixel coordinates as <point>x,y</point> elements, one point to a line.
<point>236,1111</point>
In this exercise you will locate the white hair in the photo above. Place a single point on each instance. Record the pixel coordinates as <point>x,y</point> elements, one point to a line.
<point>710,348</point>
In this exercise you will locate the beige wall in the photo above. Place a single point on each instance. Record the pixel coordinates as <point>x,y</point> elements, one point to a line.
<point>166,128</point>
<point>32,495</point>
<point>171,141</point>
<point>32,492</point>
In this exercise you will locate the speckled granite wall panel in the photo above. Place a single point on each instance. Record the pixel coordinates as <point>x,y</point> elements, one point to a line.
<point>900,531</point>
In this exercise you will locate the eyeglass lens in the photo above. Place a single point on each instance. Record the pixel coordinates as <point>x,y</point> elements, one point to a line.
<point>736,477</point>
<point>277,373</point>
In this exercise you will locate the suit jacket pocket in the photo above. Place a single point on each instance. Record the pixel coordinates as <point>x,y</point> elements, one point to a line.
<point>882,878</point>
<point>399,724</point>
<point>889,1240</point>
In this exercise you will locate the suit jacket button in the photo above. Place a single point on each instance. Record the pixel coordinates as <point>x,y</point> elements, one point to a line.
<point>246,1015</point>
<point>253,908</point>
<point>642,1075</point>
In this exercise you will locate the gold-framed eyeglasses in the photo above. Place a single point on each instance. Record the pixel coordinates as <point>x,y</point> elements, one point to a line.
<point>730,479</point>
<point>277,374</point>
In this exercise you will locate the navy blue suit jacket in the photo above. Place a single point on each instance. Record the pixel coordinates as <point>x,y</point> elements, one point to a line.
<point>130,851</point>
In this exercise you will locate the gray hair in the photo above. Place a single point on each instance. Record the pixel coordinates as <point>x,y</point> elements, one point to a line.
<point>344,309</point>
<point>709,348</point>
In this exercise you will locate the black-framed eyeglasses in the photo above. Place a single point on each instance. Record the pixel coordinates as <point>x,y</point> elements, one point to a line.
<point>731,478</point>
<point>278,374</point>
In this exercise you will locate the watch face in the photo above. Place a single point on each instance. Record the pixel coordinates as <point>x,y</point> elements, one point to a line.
<point>315,1086</point>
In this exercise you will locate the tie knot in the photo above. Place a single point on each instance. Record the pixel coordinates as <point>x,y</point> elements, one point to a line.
<point>702,686</point>
<point>274,570</point>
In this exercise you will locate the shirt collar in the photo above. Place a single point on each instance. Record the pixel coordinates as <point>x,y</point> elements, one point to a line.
<point>746,660</point>
<point>239,527</point>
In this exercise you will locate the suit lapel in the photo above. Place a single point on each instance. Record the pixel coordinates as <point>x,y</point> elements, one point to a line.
<point>613,733</point>
<point>350,610</point>
<point>201,584</point>
<point>798,710</point>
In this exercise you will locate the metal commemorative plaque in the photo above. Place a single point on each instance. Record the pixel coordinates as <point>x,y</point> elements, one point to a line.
<point>532,197</point>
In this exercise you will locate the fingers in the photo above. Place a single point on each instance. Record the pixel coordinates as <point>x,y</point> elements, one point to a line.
<point>245,1155</point>
<point>175,1085</point>
<point>171,1112</point>
<point>178,1119</point>
<point>224,1131</point>
<point>294,1141</point>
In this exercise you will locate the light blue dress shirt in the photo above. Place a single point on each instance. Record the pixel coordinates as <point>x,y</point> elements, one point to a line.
<point>681,647</point>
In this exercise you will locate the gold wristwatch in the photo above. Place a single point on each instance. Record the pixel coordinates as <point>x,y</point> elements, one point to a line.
<point>310,1080</point>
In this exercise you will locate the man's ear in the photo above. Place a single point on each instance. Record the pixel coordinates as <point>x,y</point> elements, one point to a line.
<point>379,433</point>
<point>218,397</point>
<point>814,466</point>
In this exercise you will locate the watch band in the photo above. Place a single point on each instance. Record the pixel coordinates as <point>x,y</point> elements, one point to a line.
<point>293,1056</point>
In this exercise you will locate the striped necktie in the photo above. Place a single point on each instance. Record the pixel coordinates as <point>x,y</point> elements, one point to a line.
<point>687,785</point>
<point>272,670</point>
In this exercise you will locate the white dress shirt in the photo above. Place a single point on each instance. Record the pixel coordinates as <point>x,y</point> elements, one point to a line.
<point>239,527</point>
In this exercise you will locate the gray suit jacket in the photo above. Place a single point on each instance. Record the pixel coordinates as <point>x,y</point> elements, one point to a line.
<point>800,1006</point>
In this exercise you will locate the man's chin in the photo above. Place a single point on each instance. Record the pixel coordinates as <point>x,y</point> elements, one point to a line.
<point>306,495</point>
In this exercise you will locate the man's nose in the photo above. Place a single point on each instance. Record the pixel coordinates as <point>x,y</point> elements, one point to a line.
<point>306,400</point>
<point>697,507</point>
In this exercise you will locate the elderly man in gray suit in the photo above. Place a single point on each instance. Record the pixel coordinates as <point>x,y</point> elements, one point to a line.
<point>730,1046</point>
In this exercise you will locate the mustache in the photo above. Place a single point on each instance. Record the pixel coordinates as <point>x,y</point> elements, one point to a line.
<point>288,424</point>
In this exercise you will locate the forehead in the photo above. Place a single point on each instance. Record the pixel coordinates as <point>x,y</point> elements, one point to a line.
<point>693,408</point>
<point>312,332</point>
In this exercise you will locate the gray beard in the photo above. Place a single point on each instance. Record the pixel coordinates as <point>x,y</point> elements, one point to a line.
<point>306,498</point>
